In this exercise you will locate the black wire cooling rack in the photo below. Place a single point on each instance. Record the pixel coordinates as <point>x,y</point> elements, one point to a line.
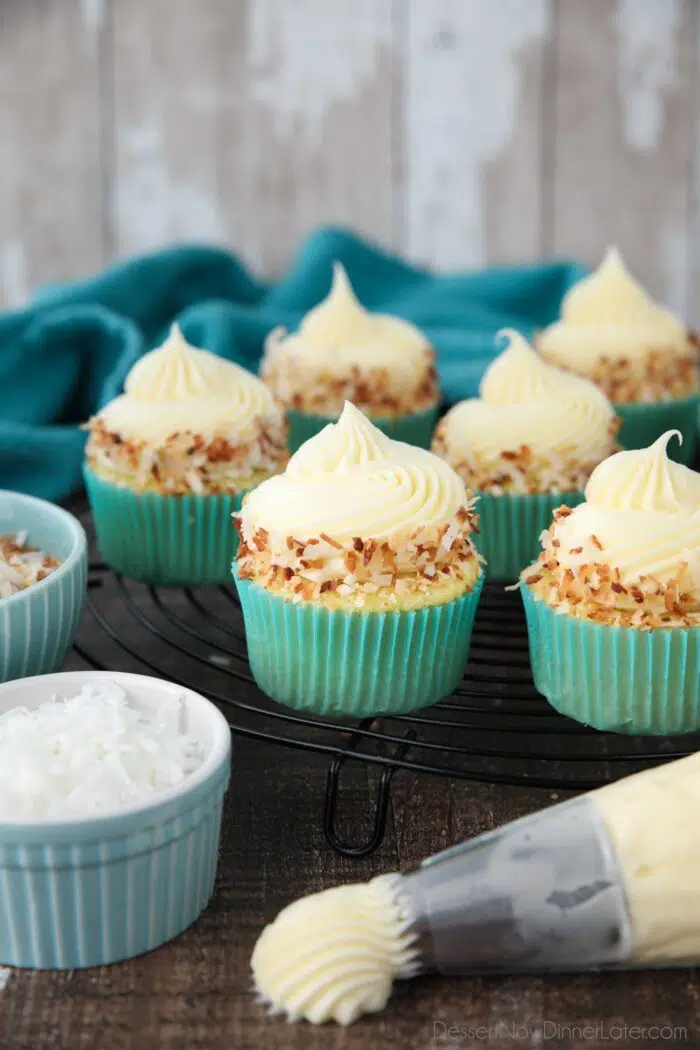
<point>495,728</point>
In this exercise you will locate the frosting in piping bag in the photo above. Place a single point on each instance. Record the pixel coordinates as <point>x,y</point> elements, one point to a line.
<point>335,955</point>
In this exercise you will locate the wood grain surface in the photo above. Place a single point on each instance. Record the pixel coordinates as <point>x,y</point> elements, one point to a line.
<point>195,993</point>
<point>457,131</point>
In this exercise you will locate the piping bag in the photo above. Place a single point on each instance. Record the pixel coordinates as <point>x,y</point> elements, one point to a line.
<point>609,879</point>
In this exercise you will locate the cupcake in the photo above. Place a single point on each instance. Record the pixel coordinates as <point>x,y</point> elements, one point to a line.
<point>613,602</point>
<point>168,462</point>
<point>342,352</point>
<point>527,444</point>
<point>357,575</point>
<point>639,354</point>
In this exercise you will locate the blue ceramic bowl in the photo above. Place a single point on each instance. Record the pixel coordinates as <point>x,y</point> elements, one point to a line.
<point>38,625</point>
<point>88,892</point>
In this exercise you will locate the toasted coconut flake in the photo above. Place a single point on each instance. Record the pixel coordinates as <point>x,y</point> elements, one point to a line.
<point>596,591</point>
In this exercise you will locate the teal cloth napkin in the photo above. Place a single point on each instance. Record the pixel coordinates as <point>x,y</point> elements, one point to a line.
<point>67,354</point>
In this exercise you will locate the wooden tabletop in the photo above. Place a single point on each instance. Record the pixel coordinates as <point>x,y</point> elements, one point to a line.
<point>194,994</point>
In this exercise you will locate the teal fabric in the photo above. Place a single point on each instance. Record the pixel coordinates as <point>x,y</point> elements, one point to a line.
<point>67,353</point>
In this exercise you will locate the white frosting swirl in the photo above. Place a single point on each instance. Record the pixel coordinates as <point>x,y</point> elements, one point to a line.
<point>525,401</point>
<point>178,387</point>
<point>335,955</point>
<point>341,332</point>
<point>644,511</point>
<point>609,315</point>
<point>352,480</point>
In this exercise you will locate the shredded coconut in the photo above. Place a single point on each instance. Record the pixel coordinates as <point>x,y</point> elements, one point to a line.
<point>659,375</point>
<point>309,386</point>
<point>22,565</point>
<point>91,753</point>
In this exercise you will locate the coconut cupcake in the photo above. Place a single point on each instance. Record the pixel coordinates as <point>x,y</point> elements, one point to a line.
<point>357,574</point>
<point>642,357</point>
<point>527,444</point>
<point>168,462</point>
<point>613,603</point>
<point>342,352</point>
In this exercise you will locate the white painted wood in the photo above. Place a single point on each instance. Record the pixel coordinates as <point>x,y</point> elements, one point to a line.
<point>310,139</point>
<point>458,131</point>
<point>168,109</point>
<point>624,137</point>
<point>50,180</point>
<point>473,105</point>
<point>251,123</point>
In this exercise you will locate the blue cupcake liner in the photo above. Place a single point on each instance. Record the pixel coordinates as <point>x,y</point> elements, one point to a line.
<point>356,664</point>
<point>510,526</point>
<point>161,539</point>
<point>617,679</point>
<point>416,429</point>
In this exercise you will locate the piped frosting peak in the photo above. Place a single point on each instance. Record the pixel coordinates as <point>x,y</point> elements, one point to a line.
<point>645,480</point>
<point>174,371</point>
<point>534,427</point>
<point>641,522</point>
<point>611,296</point>
<point>340,319</point>
<point>352,480</point>
<point>519,375</point>
<point>179,387</point>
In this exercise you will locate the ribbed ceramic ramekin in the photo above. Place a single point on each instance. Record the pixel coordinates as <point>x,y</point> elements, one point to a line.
<point>164,540</point>
<point>356,664</point>
<point>416,429</point>
<point>510,526</point>
<point>643,423</point>
<point>77,893</point>
<point>38,624</point>
<point>618,679</point>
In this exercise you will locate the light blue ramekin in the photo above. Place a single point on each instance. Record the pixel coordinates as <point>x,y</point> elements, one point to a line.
<point>76,893</point>
<point>37,625</point>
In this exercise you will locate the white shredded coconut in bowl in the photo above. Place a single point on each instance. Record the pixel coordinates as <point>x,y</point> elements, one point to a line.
<point>91,753</point>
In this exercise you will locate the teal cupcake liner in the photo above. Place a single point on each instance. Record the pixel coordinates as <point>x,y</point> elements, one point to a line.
<point>416,429</point>
<point>164,540</point>
<point>618,679</point>
<point>356,664</point>
<point>510,526</point>
<point>643,423</point>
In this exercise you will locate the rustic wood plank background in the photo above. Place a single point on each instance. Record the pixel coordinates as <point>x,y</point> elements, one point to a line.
<point>456,131</point>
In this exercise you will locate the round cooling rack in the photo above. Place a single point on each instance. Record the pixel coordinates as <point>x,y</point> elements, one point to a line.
<point>495,728</point>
